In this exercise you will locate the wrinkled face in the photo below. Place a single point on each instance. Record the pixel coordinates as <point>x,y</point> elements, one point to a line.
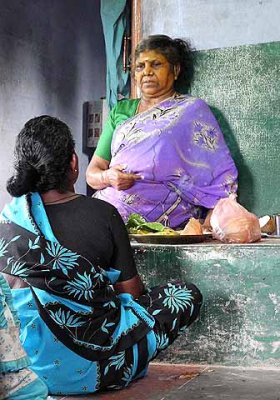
<point>154,75</point>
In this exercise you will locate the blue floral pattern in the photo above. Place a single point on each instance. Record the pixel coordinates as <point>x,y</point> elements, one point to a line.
<point>63,258</point>
<point>177,298</point>
<point>81,287</point>
<point>66,319</point>
<point>75,306</point>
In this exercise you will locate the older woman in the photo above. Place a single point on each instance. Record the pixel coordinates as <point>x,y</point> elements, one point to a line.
<point>163,155</point>
<point>87,323</point>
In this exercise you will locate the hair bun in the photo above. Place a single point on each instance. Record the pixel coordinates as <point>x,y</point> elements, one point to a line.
<point>23,181</point>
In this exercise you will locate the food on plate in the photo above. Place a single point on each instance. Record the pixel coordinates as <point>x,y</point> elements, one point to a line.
<point>136,224</point>
<point>193,227</point>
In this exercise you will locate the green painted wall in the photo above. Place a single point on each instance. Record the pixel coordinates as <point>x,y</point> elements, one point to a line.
<point>240,317</point>
<point>242,86</point>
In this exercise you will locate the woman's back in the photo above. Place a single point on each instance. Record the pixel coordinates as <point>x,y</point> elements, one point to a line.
<point>93,229</point>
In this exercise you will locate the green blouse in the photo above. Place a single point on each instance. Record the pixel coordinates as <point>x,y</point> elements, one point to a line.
<point>123,110</point>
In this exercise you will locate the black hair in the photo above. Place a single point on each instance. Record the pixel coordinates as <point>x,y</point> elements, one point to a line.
<point>176,51</point>
<point>43,152</point>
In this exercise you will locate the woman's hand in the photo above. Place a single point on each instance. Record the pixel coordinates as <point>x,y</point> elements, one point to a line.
<point>119,179</point>
<point>100,176</point>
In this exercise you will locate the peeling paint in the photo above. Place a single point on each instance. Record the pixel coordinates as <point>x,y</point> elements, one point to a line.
<point>276,301</point>
<point>275,346</point>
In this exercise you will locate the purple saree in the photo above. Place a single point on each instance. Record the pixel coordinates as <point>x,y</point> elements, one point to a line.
<point>179,149</point>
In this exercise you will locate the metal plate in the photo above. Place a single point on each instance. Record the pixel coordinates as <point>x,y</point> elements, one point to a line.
<point>268,236</point>
<point>170,239</point>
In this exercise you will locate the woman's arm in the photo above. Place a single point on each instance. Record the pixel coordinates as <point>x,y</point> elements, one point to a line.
<point>129,280</point>
<point>133,286</point>
<point>96,173</point>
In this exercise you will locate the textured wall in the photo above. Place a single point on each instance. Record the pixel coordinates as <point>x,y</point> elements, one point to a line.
<point>242,84</point>
<point>214,23</point>
<point>239,323</point>
<point>52,59</point>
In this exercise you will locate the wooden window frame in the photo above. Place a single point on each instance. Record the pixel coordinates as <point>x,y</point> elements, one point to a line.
<point>136,36</point>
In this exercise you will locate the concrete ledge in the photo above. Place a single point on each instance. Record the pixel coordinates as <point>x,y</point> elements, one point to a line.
<point>192,382</point>
<point>239,323</point>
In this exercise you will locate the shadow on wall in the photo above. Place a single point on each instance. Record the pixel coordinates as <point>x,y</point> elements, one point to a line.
<point>245,178</point>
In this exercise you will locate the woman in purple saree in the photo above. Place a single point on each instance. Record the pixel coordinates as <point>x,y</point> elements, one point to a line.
<point>168,160</point>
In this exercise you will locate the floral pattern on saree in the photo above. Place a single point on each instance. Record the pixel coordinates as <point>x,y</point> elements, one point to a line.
<point>179,150</point>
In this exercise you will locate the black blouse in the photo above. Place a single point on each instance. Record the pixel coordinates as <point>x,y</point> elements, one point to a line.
<point>94,229</point>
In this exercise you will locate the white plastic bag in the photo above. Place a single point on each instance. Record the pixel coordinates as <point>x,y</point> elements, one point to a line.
<point>232,223</point>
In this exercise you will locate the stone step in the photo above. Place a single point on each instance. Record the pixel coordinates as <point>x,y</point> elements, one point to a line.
<point>239,323</point>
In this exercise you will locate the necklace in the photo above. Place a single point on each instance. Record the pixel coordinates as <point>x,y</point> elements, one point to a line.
<point>62,198</point>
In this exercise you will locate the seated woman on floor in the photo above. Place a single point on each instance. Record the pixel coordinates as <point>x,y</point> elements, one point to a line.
<point>162,155</point>
<point>87,322</point>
